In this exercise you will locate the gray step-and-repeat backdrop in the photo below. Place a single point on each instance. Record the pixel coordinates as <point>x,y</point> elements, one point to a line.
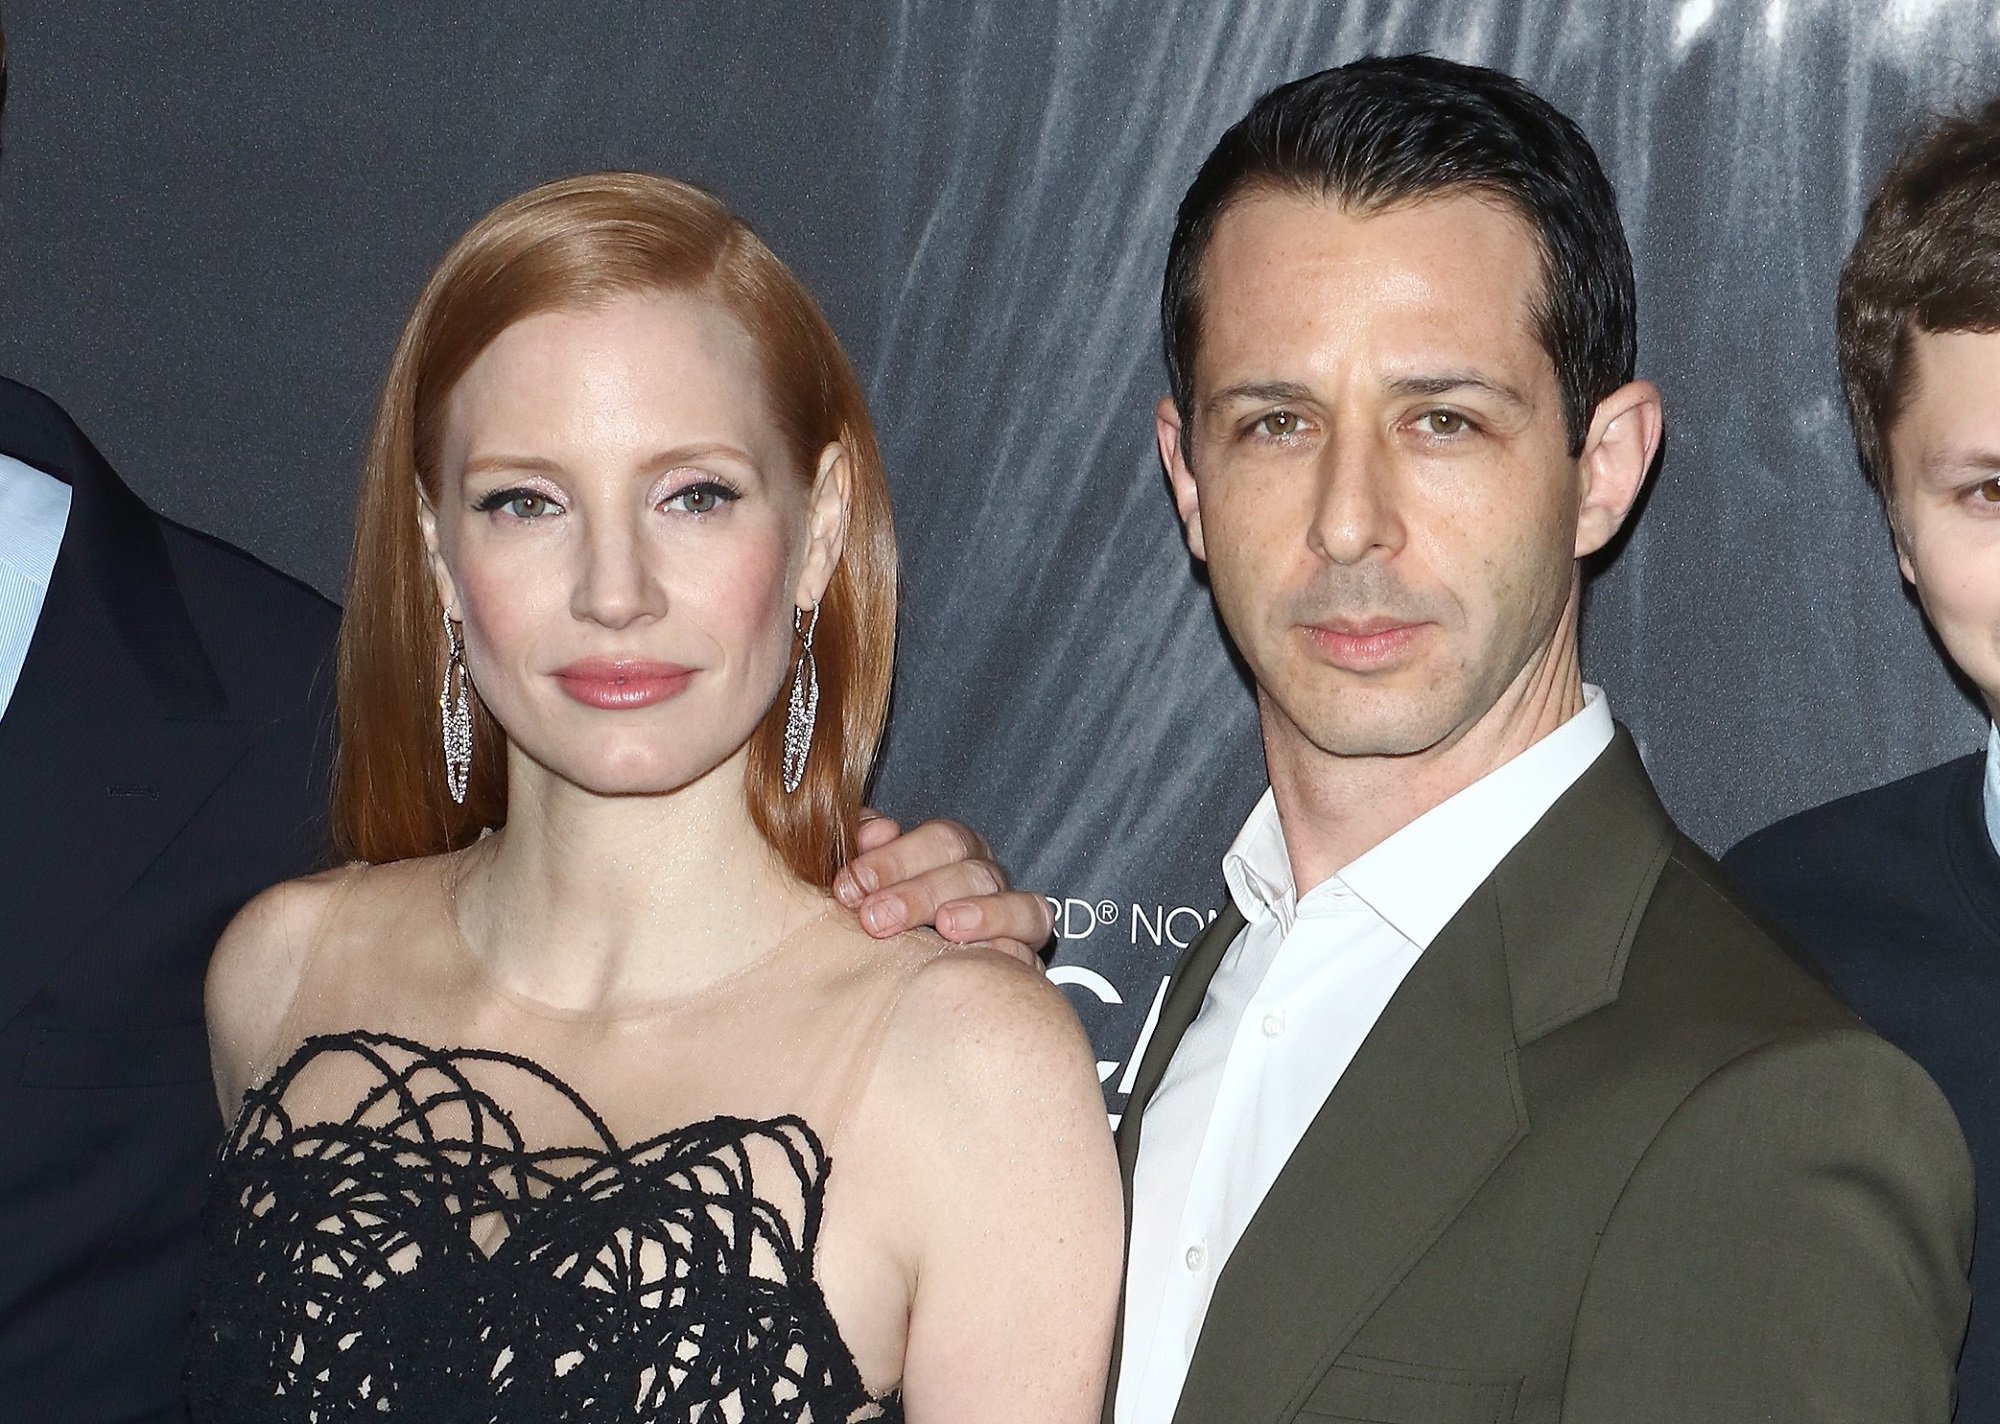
<point>213,217</point>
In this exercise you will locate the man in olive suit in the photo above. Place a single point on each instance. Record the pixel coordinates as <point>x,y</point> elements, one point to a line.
<point>1485,1099</point>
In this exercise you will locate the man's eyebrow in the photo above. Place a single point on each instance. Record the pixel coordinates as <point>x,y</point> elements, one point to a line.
<point>1443,383</point>
<point>1437,383</point>
<point>1258,392</point>
<point>1979,460</point>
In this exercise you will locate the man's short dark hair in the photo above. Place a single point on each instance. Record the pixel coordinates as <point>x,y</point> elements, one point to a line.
<point>1386,131</point>
<point>1927,259</point>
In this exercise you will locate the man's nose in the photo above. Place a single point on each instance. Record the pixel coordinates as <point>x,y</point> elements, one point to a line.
<point>616,583</point>
<point>1356,513</point>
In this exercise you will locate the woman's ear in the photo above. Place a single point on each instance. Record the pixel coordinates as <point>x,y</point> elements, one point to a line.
<point>427,522</point>
<point>826,523</point>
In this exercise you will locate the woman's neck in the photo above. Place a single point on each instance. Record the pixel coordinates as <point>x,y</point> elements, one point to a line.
<point>587,901</point>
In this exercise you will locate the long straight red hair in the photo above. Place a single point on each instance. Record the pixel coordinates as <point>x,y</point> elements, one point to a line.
<point>571,245</point>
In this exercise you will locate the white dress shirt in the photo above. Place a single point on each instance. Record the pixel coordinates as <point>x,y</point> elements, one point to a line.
<point>1288,1008</point>
<point>34,511</point>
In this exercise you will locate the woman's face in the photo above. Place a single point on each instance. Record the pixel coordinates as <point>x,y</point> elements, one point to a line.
<point>624,534</point>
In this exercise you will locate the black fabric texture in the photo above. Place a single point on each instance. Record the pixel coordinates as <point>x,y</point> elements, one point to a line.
<point>421,1260</point>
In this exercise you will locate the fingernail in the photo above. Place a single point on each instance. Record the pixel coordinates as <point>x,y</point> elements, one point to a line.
<point>866,878</point>
<point>846,890</point>
<point>883,915</point>
<point>954,921</point>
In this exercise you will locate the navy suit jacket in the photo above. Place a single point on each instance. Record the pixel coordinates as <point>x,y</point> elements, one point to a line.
<point>165,756</point>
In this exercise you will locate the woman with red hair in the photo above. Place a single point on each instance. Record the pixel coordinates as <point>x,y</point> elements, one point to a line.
<point>578,1095</point>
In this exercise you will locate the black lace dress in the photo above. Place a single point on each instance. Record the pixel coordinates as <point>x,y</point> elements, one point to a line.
<point>418,1259</point>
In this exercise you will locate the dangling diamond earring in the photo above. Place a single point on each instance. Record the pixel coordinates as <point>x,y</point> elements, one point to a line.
<point>805,701</point>
<point>456,714</point>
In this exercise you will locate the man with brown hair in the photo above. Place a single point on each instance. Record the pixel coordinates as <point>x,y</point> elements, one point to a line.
<point>1895,892</point>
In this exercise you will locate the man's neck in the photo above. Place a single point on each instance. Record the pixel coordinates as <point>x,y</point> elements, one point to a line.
<point>1335,809</point>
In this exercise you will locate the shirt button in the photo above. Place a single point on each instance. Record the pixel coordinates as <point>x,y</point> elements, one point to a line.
<point>1274,1025</point>
<point>1195,1256</point>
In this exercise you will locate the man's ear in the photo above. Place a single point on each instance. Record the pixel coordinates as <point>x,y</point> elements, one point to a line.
<point>447,591</point>
<point>1900,537</point>
<point>1173,458</point>
<point>826,523</point>
<point>1618,453</point>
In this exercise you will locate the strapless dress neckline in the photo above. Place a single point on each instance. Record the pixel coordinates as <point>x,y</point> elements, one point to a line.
<point>418,1259</point>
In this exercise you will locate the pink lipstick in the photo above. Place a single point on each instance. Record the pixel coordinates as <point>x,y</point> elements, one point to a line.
<point>616,685</point>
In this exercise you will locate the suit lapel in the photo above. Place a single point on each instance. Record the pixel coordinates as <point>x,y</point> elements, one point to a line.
<point>1424,1114</point>
<point>1431,1105</point>
<point>119,727</point>
<point>1187,988</point>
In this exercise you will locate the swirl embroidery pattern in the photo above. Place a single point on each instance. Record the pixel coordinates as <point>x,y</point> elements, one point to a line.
<point>419,1261</point>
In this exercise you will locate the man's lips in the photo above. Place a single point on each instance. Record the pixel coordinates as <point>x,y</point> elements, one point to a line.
<point>623,684</point>
<point>1363,644</point>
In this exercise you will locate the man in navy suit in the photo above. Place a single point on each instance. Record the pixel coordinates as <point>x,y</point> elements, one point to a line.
<point>1895,892</point>
<point>164,749</point>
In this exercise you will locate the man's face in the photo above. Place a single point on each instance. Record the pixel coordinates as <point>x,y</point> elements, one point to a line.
<point>1944,495</point>
<point>1377,472</point>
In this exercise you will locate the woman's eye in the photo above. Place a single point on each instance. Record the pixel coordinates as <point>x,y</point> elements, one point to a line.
<point>517,504</point>
<point>1280,424</point>
<point>704,498</point>
<point>1988,492</point>
<point>1442,423</point>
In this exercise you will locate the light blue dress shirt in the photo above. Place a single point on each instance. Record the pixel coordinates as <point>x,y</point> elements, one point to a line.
<point>34,511</point>
<point>1993,787</point>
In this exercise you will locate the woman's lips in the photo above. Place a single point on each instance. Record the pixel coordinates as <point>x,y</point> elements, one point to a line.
<point>615,686</point>
<point>1362,647</point>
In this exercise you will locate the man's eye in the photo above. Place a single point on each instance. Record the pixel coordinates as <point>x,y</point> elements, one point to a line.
<point>1280,424</point>
<point>1442,423</point>
<point>1988,492</point>
<point>704,498</point>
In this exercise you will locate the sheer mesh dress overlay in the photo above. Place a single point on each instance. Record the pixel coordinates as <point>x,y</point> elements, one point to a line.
<point>398,1231</point>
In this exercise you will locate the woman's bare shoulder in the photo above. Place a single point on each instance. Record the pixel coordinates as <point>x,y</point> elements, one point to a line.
<point>270,934</point>
<point>985,1029</point>
<point>994,1128</point>
<point>258,965</point>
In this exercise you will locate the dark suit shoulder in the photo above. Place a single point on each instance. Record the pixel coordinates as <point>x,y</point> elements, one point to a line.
<point>1846,841</point>
<point>268,633</point>
<point>1893,893</point>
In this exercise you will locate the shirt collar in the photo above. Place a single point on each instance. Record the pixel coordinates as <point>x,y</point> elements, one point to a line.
<point>1421,876</point>
<point>1258,869</point>
<point>34,509</point>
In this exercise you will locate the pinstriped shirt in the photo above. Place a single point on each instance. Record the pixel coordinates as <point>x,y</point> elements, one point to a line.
<point>34,511</point>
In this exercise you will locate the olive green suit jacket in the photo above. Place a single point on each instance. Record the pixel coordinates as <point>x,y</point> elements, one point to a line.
<point>1610,1154</point>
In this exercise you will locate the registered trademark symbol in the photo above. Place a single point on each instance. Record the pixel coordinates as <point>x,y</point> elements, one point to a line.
<point>1107,912</point>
